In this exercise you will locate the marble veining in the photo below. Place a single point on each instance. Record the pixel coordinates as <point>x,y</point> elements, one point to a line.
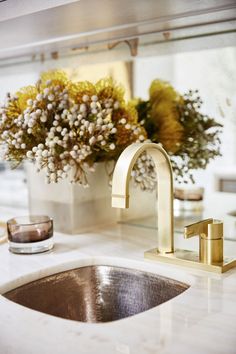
<point>200,320</point>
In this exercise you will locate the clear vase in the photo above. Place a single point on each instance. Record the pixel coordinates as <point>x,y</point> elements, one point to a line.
<point>74,209</point>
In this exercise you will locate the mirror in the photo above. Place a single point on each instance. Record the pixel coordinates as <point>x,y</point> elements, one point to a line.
<point>211,71</point>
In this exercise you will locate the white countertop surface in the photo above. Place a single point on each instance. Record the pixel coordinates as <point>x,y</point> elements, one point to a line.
<point>200,320</point>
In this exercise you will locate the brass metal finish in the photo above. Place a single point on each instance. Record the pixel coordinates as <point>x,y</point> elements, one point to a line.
<point>210,234</point>
<point>210,256</point>
<point>209,231</point>
<point>190,259</point>
<point>96,293</point>
<point>120,188</point>
<point>3,233</point>
<point>212,251</point>
<point>197,229</point>
<point>132,44</point>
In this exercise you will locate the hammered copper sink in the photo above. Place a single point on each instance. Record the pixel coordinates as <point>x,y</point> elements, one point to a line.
<point>96,293</point>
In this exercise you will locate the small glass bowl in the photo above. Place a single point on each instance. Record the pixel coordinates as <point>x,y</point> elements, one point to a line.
<point>30,234</point>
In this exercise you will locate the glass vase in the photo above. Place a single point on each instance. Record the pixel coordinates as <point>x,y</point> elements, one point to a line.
<point>73,208</point>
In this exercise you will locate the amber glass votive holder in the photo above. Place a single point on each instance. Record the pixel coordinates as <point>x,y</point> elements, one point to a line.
<point>30,234</point>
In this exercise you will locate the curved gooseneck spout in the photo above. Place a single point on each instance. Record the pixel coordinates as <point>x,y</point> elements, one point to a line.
<point>120,188</point>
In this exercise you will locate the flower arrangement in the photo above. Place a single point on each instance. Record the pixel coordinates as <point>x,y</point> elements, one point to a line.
<point>63,125</point>
<point>190,137</point>
<point>67,126</point>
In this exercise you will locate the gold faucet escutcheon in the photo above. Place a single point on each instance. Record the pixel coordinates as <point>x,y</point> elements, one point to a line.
<point>210,232</point>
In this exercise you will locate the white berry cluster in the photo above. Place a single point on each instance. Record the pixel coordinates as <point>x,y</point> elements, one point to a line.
<point>144,174</point>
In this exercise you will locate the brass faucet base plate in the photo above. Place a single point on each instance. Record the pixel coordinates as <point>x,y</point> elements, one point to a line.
<point>189,259</point>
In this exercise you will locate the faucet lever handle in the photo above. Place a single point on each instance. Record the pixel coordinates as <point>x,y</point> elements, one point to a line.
<point>199,228</point>
<point>210,234</point>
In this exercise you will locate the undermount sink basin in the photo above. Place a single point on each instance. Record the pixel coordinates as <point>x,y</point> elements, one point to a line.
<point>96,293</point>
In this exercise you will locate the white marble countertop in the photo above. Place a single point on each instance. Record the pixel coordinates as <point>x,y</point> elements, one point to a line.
<point>200,320</point>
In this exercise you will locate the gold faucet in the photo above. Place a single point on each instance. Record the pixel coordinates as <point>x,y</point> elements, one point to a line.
<point>210,232</point>
<point>120,188</point>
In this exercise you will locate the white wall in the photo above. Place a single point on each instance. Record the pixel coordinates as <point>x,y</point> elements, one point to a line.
<point>147,69</point>
<point>13,82</point>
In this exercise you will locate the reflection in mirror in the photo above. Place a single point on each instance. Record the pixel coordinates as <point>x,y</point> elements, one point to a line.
<point>211,71</point>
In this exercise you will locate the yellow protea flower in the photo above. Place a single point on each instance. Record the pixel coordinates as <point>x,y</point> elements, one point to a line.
<point>57,77</point>
<point>162,90</point>
<point>169,130</point>
<point>79,89</point>
<point>107,88</point>
<point>26,93</point>
<point>132,113</point>
<point>104,89</point>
